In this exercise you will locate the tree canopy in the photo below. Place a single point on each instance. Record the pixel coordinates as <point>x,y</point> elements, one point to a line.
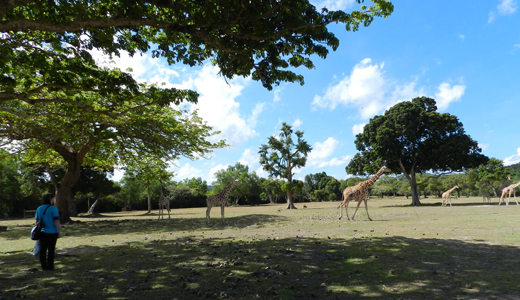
<point>282,154</point>
<point>264,39</point>
<point>62,136</point>
<point>412,137</point>
<point>491,177</point>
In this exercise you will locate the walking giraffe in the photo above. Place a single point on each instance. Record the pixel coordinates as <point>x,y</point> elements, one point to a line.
<point>219,199</point>
<point>446,196</point>
<point>163,203</point>
<point>359,193</point>
<point>508,190</point>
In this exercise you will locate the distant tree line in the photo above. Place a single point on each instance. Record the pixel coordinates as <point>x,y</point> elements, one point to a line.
<point>21,187</point>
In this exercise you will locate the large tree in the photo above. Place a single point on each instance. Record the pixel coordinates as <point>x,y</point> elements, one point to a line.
<point>60,136</point>
<point>282,154</point>
<point>412,138</point>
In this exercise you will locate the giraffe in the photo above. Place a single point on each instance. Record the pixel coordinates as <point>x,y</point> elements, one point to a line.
<point>446,196</point>
<point>163,203</point>
<point>509,190</point>
<point>219,199</point>
<point>359,193</point>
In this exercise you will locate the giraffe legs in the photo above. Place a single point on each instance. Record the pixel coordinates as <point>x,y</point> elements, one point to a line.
<point>207,214</point>
<point>222,212</point>
<point>514,195</point>
<point>344,204</point>
<point>366,207</point>
<point>341,210</point>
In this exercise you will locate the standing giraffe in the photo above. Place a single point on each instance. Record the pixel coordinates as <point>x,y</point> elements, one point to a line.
<point>359,193</point>
<point>163,203</point>
<point>446,196</point>
<point>219,199</point>
<point>509,190</point>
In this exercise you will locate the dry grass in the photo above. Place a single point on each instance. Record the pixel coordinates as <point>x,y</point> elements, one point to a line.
<point>468,251</point>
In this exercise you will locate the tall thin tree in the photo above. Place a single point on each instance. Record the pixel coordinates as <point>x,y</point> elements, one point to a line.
<point>281,155</point>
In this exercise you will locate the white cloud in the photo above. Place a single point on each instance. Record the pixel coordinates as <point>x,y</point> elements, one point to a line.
<point>251,159</point>
<point>211,174</point>
<point>513,159</point>
<point>252,120</point>
<point>276,97</point>
<point>447,94</point>
<point>218,107</point>
<point>367,89</point>
<point>504,7</point>
<point>319,156</point>
<point>334,4</point>
<point>507,7</point>
<point>491,17</point>
<point>358,128</point>
<point>297,123</point>
<point>336,162</point>
<point>364,88</point>
<point>187,171</point>
<point>461,36</point>
<point>141,67</point>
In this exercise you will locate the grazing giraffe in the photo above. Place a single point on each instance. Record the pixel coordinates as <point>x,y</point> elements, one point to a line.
<point>163,203</point>
<point>509,190</point>
<point>446,196</point>
<point>219,199</point>
<point>359,193</point>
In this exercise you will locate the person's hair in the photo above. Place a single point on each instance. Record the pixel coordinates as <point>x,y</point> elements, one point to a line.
<point>47,198</point>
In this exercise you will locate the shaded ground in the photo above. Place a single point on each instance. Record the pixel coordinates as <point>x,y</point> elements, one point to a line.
<point>289,268</point>
<point>468,251</point>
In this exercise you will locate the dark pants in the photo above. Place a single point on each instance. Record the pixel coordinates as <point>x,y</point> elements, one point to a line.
<point>48,247</point>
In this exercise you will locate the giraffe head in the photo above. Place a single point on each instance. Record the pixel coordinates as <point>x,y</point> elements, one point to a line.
<point>385,169</point>
<point>456,187</point>
<point>237,181</point>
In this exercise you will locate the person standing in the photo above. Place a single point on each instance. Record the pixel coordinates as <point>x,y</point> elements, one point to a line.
<point>50,232</point>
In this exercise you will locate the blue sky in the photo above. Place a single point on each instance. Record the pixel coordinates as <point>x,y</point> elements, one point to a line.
<point>465,54</point>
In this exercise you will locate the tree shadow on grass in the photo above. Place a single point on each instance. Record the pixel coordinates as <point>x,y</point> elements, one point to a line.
<point>149,226</point>
<point>290,268</point>
<point>440,204</point>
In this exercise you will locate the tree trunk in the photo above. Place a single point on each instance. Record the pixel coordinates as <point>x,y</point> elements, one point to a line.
<point>64,201</point>
<point>413,183</point>
<point>290,204</point>
<point>413,187</point>
<point>91,209</point>
<point>149,196</point>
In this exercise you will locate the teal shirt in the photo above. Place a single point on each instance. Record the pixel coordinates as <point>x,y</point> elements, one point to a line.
<point>48,219</point>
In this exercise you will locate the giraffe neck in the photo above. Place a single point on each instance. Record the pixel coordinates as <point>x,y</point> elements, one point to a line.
<point>228,189</point>
<point>513,186</point>
<point>373,179</point>
<point>452,189</point>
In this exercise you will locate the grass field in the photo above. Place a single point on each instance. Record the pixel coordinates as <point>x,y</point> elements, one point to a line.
<point>468,251</point>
